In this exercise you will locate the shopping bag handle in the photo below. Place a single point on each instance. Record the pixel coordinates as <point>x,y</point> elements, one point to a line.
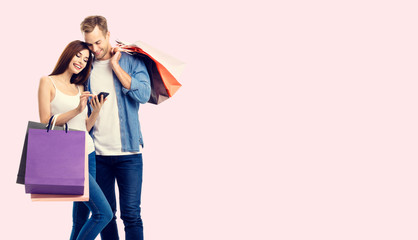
<point>55,117</point>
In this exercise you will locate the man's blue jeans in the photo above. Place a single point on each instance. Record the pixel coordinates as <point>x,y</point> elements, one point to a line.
<point>126,170</point>
<point>83,227</point>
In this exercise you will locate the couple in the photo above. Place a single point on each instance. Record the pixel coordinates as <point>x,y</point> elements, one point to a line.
<point>115,146</point>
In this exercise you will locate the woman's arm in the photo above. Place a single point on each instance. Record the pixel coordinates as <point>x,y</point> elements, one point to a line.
<point>91,120</point>
<point>44,99</point>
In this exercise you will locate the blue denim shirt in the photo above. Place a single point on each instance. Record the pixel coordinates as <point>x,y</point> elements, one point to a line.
<point>128,101</point>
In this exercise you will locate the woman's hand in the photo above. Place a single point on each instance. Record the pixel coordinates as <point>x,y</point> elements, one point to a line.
<point>83,101</point>
<point>97,104</point>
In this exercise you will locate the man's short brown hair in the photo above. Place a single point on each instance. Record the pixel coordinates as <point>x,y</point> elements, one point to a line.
<point>89,23</point>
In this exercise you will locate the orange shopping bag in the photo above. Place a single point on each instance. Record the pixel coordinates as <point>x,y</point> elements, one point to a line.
<point>164,70</point>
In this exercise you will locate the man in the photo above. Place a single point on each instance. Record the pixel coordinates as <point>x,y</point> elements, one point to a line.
<point>117,135</point>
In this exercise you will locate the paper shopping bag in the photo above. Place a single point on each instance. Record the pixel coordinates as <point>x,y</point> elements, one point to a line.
<point>22,166</point>
<point>164,70</point>
<point>55,162</point>
<point>74,198</point>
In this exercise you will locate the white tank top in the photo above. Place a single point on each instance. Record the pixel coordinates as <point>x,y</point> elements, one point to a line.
<point>63,103</point>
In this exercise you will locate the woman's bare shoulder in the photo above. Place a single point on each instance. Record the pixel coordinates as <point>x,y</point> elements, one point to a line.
<point>45,79</point>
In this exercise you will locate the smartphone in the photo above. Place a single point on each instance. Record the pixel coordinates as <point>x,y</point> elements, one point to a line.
<point>104,94</point>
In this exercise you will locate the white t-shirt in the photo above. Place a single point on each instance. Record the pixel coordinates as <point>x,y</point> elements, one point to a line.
<point>106,131</point>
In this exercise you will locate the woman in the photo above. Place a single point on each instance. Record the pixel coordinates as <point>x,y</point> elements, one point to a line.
<point>62,93</point>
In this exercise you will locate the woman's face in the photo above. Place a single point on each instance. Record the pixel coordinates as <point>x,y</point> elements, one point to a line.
<point>79,61</point>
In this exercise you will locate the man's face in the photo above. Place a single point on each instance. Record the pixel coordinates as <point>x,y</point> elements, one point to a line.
<point>98,43</point>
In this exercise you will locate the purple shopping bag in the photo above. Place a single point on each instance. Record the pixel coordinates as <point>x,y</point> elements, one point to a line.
<point>55,162</point>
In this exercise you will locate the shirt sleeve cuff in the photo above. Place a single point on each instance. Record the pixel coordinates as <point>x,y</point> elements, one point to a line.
<point>134,86</point>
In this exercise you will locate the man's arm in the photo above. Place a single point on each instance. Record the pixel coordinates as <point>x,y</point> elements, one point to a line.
<point>123,76</point>
<point>137,85</point>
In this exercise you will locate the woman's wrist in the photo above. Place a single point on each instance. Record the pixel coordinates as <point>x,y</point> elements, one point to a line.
<point>94,113</point>
<point>78,110</point>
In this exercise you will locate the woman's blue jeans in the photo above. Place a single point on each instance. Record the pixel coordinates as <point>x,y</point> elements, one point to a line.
<point>88,228</point>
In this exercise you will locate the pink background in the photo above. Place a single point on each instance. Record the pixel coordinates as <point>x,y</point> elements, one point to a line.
<point>296,119</point>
